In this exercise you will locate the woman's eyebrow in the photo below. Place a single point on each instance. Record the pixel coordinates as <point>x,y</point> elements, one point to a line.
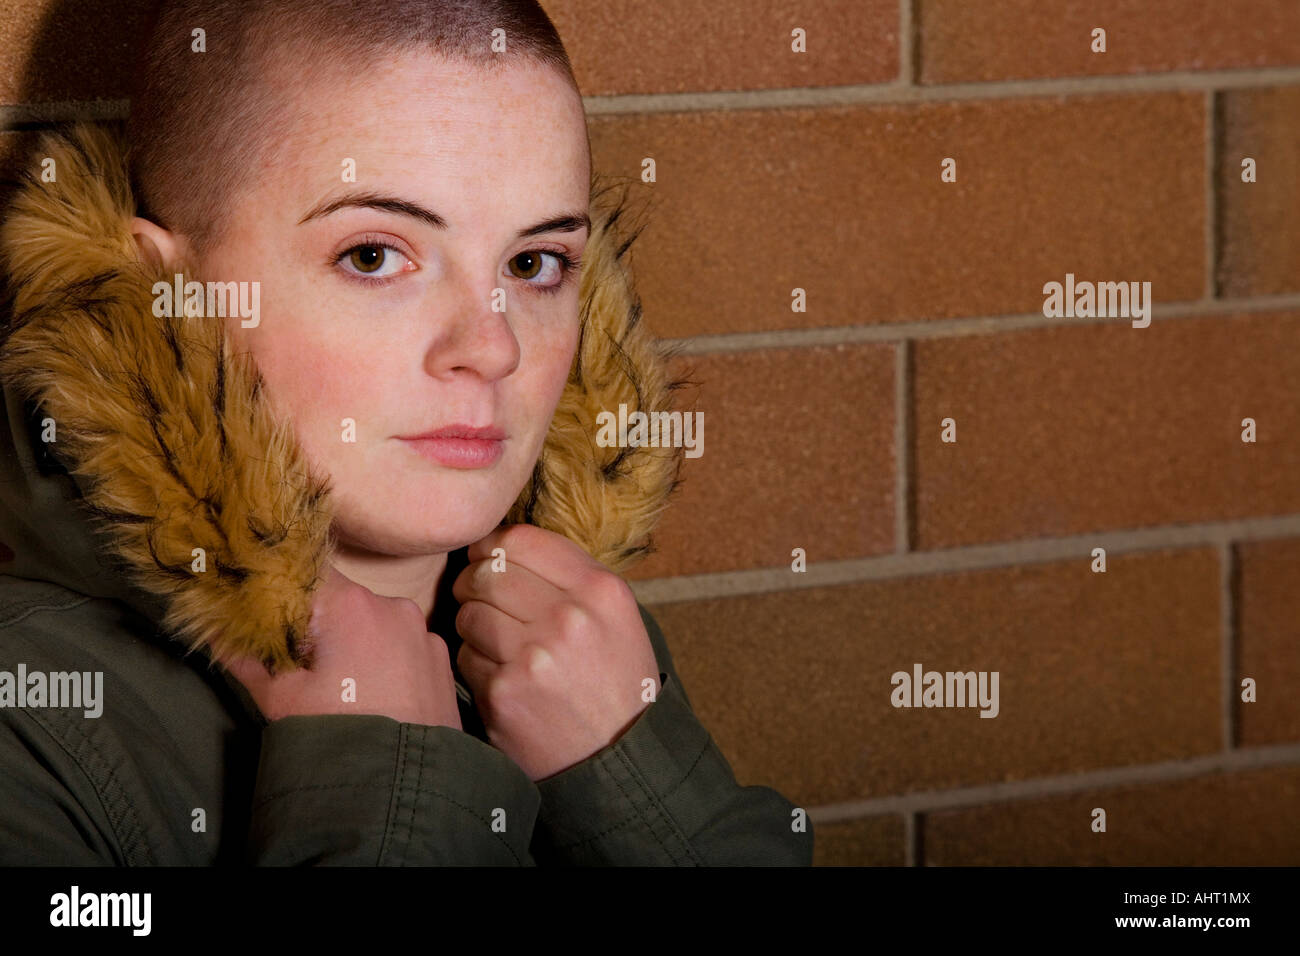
<point>564,222</point>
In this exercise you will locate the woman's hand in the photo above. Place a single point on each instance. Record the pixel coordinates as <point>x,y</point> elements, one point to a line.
<point>554,649</point>
<point>382,644</point>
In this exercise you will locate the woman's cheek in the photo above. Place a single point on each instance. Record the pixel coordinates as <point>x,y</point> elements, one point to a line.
<point>559,351</point>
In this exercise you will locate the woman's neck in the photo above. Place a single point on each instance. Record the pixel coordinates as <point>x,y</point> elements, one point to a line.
<point>419,578</point>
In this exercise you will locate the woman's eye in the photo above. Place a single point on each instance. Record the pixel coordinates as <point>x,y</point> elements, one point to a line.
<point>530,265</point>
<point>371,258</point>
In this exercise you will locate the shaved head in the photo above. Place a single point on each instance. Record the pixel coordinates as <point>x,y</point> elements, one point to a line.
<point>210,108</point>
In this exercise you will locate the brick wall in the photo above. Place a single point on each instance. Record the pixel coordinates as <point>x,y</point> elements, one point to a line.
<point>778,170</point>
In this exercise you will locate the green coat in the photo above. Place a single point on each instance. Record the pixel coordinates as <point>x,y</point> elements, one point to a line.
<point>179,767</point>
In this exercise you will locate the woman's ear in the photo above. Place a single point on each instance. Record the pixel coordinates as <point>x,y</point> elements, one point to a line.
<point>156,246</point>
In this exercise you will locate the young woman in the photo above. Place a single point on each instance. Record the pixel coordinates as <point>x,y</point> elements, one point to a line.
<point>302,380</point>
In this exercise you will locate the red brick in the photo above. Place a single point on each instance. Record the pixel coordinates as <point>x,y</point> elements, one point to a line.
<point>847,203</point>
<point>1246,818</point>
<point>798,453</point>
<point>873,841</point>
<point>1095,671</point>
<point>1102,426</point>
<point>1259,222</point>
<point>674,46</point>
<point>1268,642</point>
<point>52,50</point>
<point>964,42</point>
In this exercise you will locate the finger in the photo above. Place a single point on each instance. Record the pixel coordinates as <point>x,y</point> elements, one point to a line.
<point>517,590</point>
<point>490,631</point>
<point>549,555</point>
<point>475,666</point>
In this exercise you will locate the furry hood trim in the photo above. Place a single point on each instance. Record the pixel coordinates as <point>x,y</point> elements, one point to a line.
<point>164,442</point>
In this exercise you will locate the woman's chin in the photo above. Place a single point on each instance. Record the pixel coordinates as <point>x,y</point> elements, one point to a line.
<point>422,514</point>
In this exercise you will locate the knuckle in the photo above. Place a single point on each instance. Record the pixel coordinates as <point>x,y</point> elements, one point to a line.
<point>615,589</point>
<point>537,661</point>
<point>351,600</point>
<point>462,655</point>
<point>495,695</point>
<point>406,611</point>
<point>522,537</point>
<point>439,649</point>
<point>404,605</point>
<point>576,634</point>
<point>600,583</point>
<point>519,533</point>
<point>507,704</point>
<point>571,620</point>
<point>508,537</point>
<point>467,616</point>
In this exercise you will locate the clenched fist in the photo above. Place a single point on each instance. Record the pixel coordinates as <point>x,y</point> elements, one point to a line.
<point>400,669</point>
<point>554,649</point>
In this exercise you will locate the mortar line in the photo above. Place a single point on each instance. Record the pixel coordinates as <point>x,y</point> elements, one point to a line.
<point>1180,81</point>
<point>1228,648</point>
<point>980,557</point>
<point>922,802</point>
<point>903,463</point>
<point>897,93</point>
<point>1211,198</point>
<point>909,43</point>
<point>911,840</point>
<point>967,325</point>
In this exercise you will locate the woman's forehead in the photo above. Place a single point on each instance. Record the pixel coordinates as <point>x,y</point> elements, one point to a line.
<point>426,89</point>
<point>430,116</point>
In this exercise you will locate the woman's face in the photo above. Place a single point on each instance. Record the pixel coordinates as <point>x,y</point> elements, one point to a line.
<point>391,319</point>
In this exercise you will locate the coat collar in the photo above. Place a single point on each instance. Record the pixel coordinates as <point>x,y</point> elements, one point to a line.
<point>164,442</point>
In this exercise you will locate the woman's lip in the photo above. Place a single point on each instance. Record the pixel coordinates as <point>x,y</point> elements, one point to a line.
<point>458,452</point>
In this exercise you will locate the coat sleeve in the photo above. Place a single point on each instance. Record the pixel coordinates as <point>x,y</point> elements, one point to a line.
<point>50,814</point>
<point>664,795</point>
<point>366,790</point>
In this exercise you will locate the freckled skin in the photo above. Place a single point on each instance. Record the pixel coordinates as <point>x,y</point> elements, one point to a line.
<point>490,152</point>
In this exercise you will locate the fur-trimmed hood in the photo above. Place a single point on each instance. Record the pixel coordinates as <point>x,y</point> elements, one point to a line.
<point>129,440</point>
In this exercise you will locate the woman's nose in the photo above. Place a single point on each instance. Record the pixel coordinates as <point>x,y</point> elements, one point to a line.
<point>474,334</point>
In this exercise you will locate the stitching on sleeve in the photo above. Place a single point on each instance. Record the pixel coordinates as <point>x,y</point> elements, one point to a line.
<point>593,838</point>
<point>633,816</point>
<point>419,779</point>
<point>113,820</point>
<point>658,807</point>
<point>379,786</point>
<point>694,763</point>
<point>25,609</point>
<point>395,803</point>
<point>419,788</point>
<point>473,813</point>
<point>318,786</point>
<point>628,797</point>
<point>122,819</point>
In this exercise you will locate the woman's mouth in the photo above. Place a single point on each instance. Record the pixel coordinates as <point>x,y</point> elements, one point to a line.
<point>459,446</point>
<point>458,452</point>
